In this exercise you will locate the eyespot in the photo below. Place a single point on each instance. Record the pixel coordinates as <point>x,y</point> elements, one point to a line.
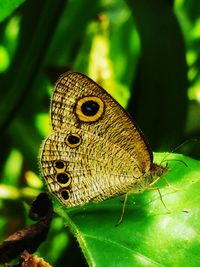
<point>63,178</point>
<point>58,164</point>
<point>65,194</point>
<point>73,140</point>
<point>89,108</point>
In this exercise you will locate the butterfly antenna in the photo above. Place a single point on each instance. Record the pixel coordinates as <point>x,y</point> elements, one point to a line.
<point>123,210</point>
<point>177,148</point>
<point>184,143</point>
<point>179,160</point>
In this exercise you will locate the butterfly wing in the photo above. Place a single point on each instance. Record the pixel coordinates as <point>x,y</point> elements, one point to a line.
<point>95,150</point>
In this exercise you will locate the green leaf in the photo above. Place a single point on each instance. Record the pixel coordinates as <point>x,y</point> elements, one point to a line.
<point>7,7</point>
<point>36,35</point>
<point>150,234</point>
<point>161,80</point>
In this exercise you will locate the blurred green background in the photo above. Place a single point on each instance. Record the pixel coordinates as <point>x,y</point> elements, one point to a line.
<point>144,53</point>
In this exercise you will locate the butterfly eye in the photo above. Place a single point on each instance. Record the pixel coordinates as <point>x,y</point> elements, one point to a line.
<point>73,140</point>
<point>65,194</point>
<point>63,178</point>
<point>89,108</point>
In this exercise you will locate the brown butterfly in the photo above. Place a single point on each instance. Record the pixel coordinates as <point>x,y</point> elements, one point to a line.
<point>95,151</point>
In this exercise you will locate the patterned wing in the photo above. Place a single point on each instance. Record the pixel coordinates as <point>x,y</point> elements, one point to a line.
<point>95,150</point>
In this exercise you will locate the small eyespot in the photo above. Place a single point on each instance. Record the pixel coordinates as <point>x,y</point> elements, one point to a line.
<point>59,164</point>
<point>73,140</point>
<point>63,178</point>
<point>65,194</point>
<point>89,108</point>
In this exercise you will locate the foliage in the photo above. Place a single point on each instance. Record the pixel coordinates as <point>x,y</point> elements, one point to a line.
<point>150,233</point>
<point>7,7</point>
<point>134,49</point>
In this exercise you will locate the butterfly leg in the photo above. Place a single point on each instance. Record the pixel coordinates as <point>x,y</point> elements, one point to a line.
<point>123,210</point>
<point>173,188</point>
<point>161,198</point>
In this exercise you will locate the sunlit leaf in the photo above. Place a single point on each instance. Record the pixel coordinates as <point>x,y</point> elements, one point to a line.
<point>43,124</point>
<point>13,167</point>
<point>149,232</point>
<point>33,180</point>
<point>4,59</point>
<point>8,192</point>
<point>8,6</point>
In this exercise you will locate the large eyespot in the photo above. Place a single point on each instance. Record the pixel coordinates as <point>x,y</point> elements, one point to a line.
<point>65,194</point>
<point>73,140</point>
<point>89,108</point>
<point>63,178</point>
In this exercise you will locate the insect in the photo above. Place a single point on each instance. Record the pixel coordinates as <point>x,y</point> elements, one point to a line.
<point>95,150</point>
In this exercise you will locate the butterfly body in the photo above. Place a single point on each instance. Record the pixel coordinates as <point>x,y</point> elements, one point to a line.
<point>95,151</point>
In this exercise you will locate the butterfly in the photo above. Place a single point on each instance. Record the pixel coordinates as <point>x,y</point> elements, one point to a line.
<point>95,150</point>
